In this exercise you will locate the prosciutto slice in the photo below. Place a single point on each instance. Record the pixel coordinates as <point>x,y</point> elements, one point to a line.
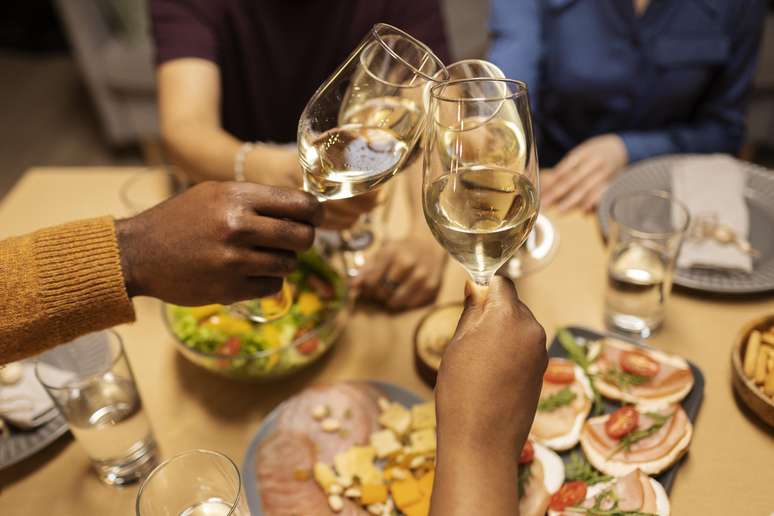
<point>634,492</point>
<point>670,378</point>
<point>279,459</point>
<point>561,420</point>
<point>354,405</point>
<point>536,498</point>
<point>653,447</point>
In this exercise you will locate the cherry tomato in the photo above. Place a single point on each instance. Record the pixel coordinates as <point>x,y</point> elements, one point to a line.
<point>636,362</point>
<point>559,371</point>
<point>527,453</point>
<point>321,287</point>
<point>309,346</point>
<point>622,421</point>
<point>569,495</point>
<point>231,347</point>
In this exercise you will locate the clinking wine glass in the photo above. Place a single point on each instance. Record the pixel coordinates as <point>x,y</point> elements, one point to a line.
<point>362,125</point>
<point>358,130</point>
<point>480,171</point>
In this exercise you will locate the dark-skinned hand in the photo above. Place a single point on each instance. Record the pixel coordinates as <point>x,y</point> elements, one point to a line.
<point>217,243</point>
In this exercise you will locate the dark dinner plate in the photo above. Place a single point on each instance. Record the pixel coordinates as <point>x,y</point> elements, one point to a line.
<point>656,174</point>
<point>691,404</point>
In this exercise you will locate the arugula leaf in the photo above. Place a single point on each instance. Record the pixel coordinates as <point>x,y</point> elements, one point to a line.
<point>622,379</point>
<point>659,420</point>
<point>577,354</point>
<point>579,469</point>
<point>556,400</point>
<point>613,510</point>
<point>525,475</point>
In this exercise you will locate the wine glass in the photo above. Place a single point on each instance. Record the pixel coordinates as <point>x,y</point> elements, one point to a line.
<point>357,131</point>
<point>480,171</point>
<point>362,125</point>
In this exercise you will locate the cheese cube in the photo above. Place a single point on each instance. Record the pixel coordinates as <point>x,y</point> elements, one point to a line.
<point>420,508</point>
<point>385,443</point>
<point>423,416</point>
<point>324,475</point>
<point>405,492</point>
<point>373,494</point>
<point>396,418</point>
<point>426,483</point>
<point>423,441</point>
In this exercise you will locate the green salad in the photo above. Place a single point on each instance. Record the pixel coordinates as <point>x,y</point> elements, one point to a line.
<point>233,345</point>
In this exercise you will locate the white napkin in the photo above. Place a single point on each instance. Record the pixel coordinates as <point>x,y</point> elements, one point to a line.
<point>25,404</point>
<point>713,185</point>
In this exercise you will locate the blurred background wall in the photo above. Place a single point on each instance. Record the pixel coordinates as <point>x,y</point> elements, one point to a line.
<point>77,85</point>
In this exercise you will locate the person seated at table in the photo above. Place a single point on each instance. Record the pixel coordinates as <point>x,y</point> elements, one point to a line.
<point>613,82</point>
<point>215,243</point>
<point>239,72</point>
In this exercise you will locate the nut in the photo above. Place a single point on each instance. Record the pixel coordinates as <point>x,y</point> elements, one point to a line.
<point>335,503</point>
<point>335,489</point>
<point>376,508</point>
<point>320,412</point>
<point>330,424</point>
<point>417,462</point>
<point>352,492</point>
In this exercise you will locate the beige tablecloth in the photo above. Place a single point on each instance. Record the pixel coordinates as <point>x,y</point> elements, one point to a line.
<point>729,470</point>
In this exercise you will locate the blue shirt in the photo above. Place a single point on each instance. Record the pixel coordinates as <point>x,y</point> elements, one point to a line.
<point>672,80</point>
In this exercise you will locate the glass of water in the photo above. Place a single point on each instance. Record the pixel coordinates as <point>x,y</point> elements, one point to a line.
<point>194,483</point>
<point>91,382</point>
<point>646,231</point>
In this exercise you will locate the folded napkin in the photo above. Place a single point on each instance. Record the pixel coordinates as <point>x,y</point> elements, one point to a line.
<point>25,403</point>
<point>712,187</point>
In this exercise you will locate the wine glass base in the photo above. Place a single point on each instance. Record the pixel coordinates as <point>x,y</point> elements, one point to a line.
<point>538,251</point>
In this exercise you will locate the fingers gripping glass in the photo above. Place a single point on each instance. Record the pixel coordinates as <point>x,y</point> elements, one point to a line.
<point>480,171</point>
<point>362,125</point>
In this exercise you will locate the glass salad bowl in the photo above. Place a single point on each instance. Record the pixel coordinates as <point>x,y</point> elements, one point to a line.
<point>226,343</point>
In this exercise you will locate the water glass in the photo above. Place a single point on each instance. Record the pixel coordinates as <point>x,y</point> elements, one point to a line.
<point>91,382</point>
<point>194,483</point>
<point>646,231</point>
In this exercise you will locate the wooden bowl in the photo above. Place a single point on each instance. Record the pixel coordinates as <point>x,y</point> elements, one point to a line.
<point>752,395</point>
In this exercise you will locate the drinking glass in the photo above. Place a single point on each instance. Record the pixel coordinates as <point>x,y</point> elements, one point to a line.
<point>91,382</point>
<point>646,231</point>
<point>194,483</point>
<point>362,125</point>
<point>480,171</point>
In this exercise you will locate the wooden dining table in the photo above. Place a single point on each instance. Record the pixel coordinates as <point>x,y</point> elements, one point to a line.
<point>728,471</point>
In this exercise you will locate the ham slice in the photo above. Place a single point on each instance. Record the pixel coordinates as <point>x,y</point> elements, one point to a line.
<point>352,404</point>
<point>536,498</point>
<point>560,421</point>
<point>278,461</point>
<point>635,492</point>
<point>651,448</point>
<point>674,376</point>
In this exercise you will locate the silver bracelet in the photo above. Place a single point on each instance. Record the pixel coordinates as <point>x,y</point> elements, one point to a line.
<point>240,158</point>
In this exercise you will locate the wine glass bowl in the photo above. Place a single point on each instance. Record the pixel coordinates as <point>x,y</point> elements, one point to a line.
<point>361,125</point>
<point>480,171</point>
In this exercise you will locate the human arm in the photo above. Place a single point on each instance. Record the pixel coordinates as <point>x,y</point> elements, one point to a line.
<point>718,125</point>
<point>406,273</point>
<point>516,45</point>
<point>486,396</point>
<point>194,249</point>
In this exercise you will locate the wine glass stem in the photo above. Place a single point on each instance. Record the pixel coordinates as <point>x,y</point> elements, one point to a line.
<point>481,279</point>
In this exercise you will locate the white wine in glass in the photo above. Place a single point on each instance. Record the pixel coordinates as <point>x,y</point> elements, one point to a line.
<point>361,126</point>
<point>481,191</point>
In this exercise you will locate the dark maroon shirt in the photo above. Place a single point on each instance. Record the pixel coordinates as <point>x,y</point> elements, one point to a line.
<point>273,54</point>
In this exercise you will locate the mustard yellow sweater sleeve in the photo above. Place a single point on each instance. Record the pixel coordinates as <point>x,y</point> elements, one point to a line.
<point>59,283</point>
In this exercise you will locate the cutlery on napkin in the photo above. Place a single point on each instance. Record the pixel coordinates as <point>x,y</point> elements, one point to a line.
<point>712,188</point>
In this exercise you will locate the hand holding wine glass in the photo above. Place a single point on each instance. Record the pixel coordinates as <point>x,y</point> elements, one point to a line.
<point>480,187</point>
